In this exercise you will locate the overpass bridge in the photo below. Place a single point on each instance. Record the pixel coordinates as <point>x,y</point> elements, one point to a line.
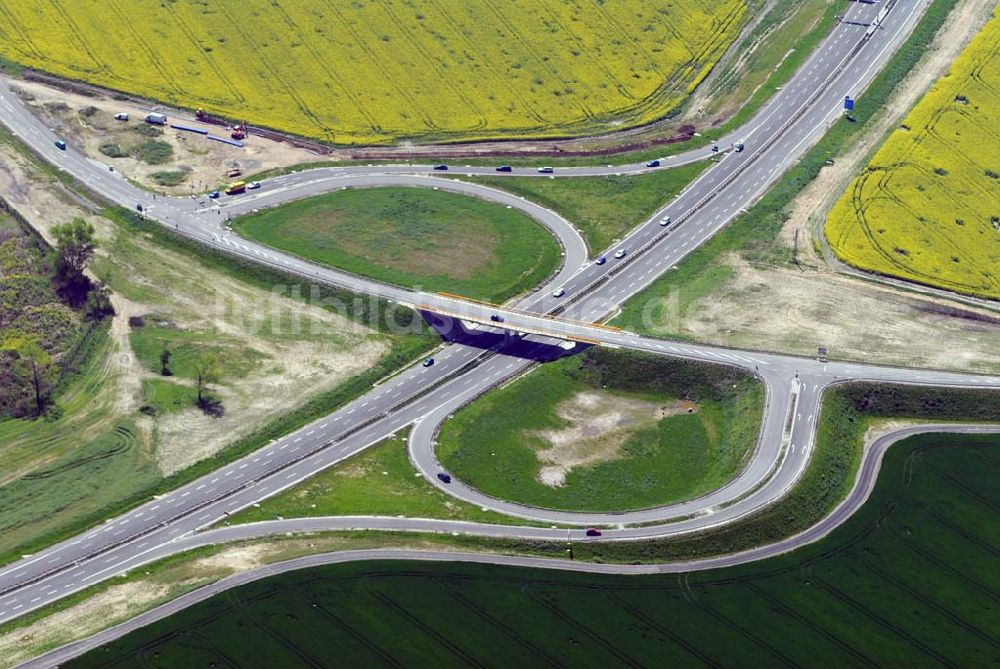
<point>513,320</point>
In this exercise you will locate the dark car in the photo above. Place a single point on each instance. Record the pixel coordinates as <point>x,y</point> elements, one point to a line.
<point>653,163</point>
<point>441,168</point>
<point>591,531</point>
<point>601,260</point>
<point>504,168</point>
<point>428,362</point>
<point>214,195</point>
<point>715,148</point>
<point>496,318</point>
<point>445,478</point>
<point>60,144</point>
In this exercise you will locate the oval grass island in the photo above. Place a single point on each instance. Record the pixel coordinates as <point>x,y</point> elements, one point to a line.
<point>415,238</point>
<point>606,431</point>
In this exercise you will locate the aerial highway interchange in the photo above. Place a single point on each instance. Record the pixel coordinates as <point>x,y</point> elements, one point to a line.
<point>489,353</point>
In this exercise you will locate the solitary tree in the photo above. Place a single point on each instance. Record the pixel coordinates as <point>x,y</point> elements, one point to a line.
<point>206,373</point>
<point>35,367</point>
<point>165,362</point>
<point>99,302</point>
<point>74,247</point>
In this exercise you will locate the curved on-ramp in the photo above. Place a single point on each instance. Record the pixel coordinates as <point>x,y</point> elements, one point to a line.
<point>858,495</point>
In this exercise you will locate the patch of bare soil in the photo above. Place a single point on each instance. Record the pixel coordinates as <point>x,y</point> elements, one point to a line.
<point>117,603</point>
<point>795,311</point>
<point>460,255</point>
<point>205,160</point>
<point>598,425</point>
<point>241,557</point>
<point>466,256</point>
<point>123,363</point>
<point>305,349</point>
<point>185,437</point>
<point>42,202</point>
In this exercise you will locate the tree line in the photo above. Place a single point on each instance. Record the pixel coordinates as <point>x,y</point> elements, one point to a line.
<point>33,372</point>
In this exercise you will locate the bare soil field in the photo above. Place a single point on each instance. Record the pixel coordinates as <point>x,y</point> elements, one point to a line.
<point>89,123</point>
<point>796,311</point>
<point>598,424</point>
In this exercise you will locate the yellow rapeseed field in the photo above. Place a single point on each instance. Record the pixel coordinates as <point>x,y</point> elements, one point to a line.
<point>374,71</point>
<point>927,207</point>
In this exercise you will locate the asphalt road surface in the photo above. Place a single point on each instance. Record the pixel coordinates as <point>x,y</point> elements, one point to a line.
<point>843,65</point>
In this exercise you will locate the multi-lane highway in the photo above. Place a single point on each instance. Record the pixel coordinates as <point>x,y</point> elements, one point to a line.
<point>842,65</point>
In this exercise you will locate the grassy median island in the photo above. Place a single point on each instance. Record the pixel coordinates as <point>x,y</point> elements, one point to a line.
<point>414,237</point>
<point>910,580</point>
<point>606,431</point>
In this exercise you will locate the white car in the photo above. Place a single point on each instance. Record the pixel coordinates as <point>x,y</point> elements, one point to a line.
<point>253,185</point>
<point>620,253</point>
<point>665,221</point>
<point>558,292</point>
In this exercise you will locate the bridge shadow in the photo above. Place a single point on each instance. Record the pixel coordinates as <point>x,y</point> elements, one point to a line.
<point>537,348</point>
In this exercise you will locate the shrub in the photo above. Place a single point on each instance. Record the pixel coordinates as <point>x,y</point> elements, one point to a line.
<point>112,150</point>
<point>153,152</point>
<point>169,178</point>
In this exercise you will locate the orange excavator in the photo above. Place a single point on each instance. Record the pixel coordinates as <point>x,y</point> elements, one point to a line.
<point>239,131</point>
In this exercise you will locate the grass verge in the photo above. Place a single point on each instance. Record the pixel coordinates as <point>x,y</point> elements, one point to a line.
<point>603,208</point>
<point>381,481</point>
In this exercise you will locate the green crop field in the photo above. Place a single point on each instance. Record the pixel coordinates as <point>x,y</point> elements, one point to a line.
<point>910,580</point>
<point>606,431</point>
<point>927,207</point>
<point>372,72</point>
<point>414,237</point>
